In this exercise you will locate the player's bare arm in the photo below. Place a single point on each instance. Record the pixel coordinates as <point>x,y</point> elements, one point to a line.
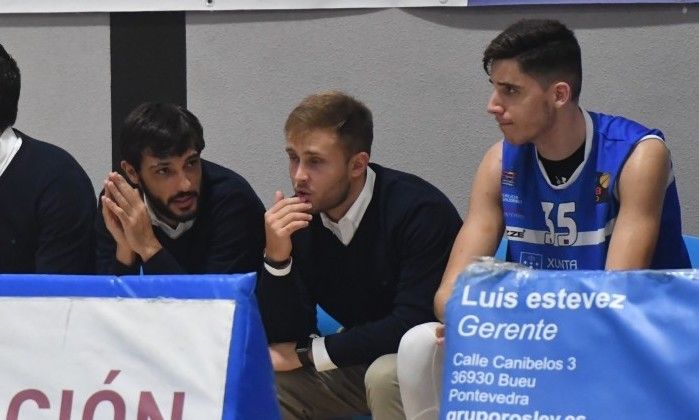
<point>642,184</point>
<point>483,226</point>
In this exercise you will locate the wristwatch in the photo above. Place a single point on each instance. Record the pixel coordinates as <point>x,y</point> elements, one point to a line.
<point>303,348</point>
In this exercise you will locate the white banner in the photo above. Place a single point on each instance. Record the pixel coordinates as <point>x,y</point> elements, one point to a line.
<point>71,6</point>
<point>111,358</point>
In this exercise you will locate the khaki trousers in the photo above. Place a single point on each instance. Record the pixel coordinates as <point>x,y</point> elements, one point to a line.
<point>357,390</point>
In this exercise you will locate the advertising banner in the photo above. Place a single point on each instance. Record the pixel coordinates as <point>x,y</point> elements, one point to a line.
<point>527,344</point>
<point>146,347</point>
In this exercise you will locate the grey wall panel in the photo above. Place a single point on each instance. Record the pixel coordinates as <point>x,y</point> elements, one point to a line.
<point>65,97</point>
<point>420,72</point>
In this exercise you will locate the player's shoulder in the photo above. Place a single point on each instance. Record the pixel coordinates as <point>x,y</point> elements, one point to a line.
<point>621,129</point>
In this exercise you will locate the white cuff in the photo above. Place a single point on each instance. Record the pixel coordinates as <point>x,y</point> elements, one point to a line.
<point>321,358</point>
<point>279,272</point>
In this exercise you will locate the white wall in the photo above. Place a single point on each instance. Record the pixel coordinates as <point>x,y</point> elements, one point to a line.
<point>65,97</point>
<point>420,72</point>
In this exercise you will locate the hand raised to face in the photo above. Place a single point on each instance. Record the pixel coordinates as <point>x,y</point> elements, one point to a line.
<point>127,218</point>
<point>285,217</point>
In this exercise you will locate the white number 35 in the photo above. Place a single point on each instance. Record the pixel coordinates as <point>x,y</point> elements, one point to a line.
<point>563,221</point>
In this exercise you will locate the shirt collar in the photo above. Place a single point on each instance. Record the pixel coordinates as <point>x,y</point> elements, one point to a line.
<point>9,145</point>
<point>346,227</point>
<point>175,233</point>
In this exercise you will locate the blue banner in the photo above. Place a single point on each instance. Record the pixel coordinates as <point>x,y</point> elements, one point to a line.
<point>571,345</point>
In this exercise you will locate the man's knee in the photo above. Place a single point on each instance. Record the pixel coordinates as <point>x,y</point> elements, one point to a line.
<point>382,374</point>
<point>417,349</point>
<point>290,394</point>
<point>309,394</point>
<point>419,364</point>
<point>383,394</point>
<point>419,338</point>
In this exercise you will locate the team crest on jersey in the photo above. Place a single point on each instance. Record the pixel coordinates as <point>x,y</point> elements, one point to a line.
<point>602,187</point>
<point>531,259</point>
<point>508,178</point>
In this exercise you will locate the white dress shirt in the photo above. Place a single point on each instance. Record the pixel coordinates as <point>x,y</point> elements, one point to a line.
<point>9,146</point>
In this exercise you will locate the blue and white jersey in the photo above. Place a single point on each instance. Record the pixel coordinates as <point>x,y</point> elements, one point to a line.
<point>568,227</point>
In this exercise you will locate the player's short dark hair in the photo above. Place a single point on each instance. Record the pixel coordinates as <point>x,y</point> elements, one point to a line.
<point>545,49</point>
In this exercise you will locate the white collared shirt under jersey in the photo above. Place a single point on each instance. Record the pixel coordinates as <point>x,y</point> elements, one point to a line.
<point>169,231</point>
<point>344,230</point>
<point>9,146</point>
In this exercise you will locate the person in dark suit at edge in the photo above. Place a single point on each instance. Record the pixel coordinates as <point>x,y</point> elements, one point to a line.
<point>47,203</point>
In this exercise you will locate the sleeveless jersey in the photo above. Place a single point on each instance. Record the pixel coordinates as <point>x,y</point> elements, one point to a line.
<point>569,226</point>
